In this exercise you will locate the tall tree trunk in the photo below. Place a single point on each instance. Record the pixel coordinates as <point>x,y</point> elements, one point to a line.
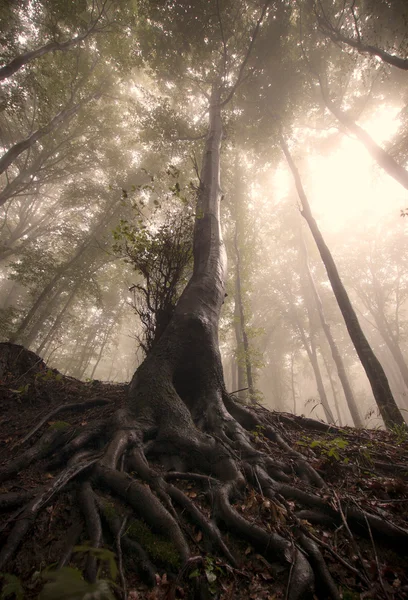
<point>390,339</point>
<point>310,348</point>
<point>241,314</point>
<point>375,373</point>
<point>54,328</point>
<point>338,361</point>
<point>240,371</point>
<point>292,381</point>
<point>332,385</point>
<point>102,348</point>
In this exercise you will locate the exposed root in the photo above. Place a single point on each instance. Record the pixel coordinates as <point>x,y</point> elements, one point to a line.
<point>93,526</point>
<point>129,457</point>
<point>146,504</point>
<point>50,441</point>
<point>72,537</point>
<point>76,406</point>
<point>27,517</point>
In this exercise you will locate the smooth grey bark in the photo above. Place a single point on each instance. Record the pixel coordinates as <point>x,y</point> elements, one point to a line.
<point>338,361</point>
<point>375,373</point>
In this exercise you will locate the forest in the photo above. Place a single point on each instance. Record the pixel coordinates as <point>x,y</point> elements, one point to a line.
<point>203,299</point>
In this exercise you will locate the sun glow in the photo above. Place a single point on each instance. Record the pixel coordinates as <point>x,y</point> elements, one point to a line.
<point>346,183</point>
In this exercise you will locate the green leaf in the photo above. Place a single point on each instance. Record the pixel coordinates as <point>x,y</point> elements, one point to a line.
<point>194,574</point>
<point>13,587</point>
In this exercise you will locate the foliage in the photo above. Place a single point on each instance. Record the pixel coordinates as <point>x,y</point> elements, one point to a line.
<point>161,253</point>
<point>12,586</point>
<point>332,448</point>
<point>68,584</point>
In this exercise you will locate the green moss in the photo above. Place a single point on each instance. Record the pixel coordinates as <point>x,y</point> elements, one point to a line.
<point>109,510</point>
<point>60,425</point>
<point>155,545</point>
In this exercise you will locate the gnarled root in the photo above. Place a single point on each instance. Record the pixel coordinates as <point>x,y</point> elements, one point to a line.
<point>215,451</point>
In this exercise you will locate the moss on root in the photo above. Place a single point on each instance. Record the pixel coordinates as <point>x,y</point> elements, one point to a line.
<point>59,425</point>
<point>158,548</point>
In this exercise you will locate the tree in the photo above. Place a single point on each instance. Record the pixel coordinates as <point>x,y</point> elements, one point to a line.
<point>375,373</point>
<point>350,29</point>
<point>178,411</point>
<point>341,371</point>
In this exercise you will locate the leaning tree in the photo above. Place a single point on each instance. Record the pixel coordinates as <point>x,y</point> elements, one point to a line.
<point>178,413</point>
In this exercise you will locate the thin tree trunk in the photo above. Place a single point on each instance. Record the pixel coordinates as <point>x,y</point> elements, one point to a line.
<point>239,303</point>
<point>58,320</point>
<point>335,35</point>
<point>338,361</point>
<point>240,372</point>
<point>24,59</point>
<point>375,373</point>
<point>393,346</point>
<point>292,381</point>
<point>332,385</point>
<point>312,354</point>
<point>102,348</point>
<point>14,152</point>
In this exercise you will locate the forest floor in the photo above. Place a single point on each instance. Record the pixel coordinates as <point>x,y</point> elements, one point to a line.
<point>368,468</point>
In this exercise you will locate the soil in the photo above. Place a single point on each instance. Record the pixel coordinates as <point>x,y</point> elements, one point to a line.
<point>366,468</point>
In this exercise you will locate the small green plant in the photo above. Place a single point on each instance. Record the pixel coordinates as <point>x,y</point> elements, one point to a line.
<point>49,375</point>
<point>258,431</point>
<point>22,391</point>
<point>400,432</point>
<point>211,571</point>
<point>12,587</point>
<point>330,448</point>
<point>68,584</point>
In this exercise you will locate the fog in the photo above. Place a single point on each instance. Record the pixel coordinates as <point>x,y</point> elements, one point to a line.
<point>85,200</point>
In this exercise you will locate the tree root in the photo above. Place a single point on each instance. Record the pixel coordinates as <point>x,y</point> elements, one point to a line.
<point>64,408</point>
<point>28,515</point>
<point>222,463</point>
<point>93,526</point>
<point>49,442</point>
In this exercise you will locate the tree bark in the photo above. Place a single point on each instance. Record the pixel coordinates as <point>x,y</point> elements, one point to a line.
<point>375,373</point>
<point>333,386</point>
<point>310,348</point>
<point>241,314</point>
<point>338,361</point>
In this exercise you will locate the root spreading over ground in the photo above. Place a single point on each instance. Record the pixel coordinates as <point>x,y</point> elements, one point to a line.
<point>197,495</point>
